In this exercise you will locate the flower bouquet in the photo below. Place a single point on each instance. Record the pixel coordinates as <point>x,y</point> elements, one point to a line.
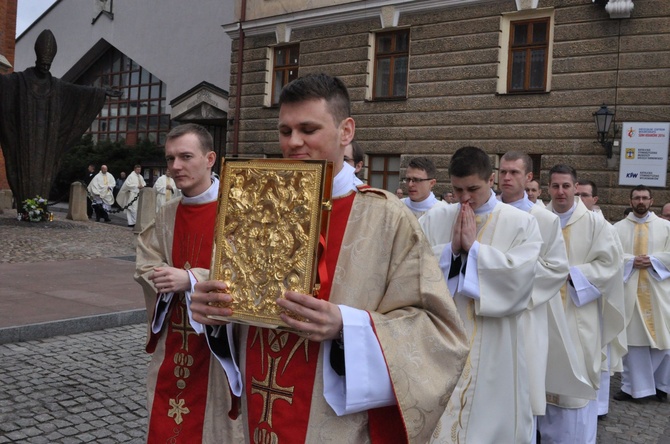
<point>35,210</point>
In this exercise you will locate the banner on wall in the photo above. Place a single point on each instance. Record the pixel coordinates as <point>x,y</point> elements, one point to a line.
<point>644,153</point>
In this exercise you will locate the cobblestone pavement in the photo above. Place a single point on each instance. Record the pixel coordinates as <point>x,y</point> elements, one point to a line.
<point>84,388</point>
<point>61,239</point>
<point>90,387</point>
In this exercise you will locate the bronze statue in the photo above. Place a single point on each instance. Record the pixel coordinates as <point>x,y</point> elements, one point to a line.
<point>40,118</point>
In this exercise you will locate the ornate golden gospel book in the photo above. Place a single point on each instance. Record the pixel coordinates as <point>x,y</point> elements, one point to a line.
<point>271,213</point>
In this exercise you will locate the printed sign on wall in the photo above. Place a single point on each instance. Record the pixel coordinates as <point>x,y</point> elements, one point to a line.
<point>644,153</point>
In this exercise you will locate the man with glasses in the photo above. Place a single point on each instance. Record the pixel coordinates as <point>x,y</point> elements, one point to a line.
<point>354,156</point>
<point>420,180</point>
<point>646,244</point>
<point>587,191</point>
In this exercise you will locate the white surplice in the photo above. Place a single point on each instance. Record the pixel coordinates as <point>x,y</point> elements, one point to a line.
<point>648,312</point>
<point>491,402</point>
<point>594,308</point>
<point>545,323</point>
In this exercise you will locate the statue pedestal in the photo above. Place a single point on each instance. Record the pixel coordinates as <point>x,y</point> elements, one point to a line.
<point>5,200</point>
<point>77,204</point>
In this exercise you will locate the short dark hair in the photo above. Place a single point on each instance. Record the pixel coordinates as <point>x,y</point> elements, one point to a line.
<point>319,86</point>
<point>357,152</point>
<point>641,188</point>
<point>562,168</point>
<point>517,155</point>
<point>470,160</point>
<point>204,137</point>
<point>425,164</point>
<point>594,187</point>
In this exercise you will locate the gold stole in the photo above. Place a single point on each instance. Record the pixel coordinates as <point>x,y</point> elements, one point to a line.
<point>641,247</point>
<point>482,222</point>
<point>564,287</point>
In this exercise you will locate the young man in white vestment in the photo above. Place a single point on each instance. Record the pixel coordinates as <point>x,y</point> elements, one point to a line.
<point>420,180</point>
<point>380,346</point>
<point>488,253</point>
<point>646,244</point>
<point>545,323</point>
<point>593,302</point>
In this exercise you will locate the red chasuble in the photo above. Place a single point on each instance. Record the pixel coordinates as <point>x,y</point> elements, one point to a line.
<point>281,366</point>
<point>178,410</point>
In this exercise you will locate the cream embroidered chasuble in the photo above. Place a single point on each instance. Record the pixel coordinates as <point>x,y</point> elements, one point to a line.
<point>491,402</point>
<point>418,328</point>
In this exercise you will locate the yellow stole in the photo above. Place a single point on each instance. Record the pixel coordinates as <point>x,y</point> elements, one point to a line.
<point>564,288</point>
<point>641,247</point>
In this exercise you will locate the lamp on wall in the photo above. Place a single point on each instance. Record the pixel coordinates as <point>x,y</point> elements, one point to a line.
<point>604,118</point>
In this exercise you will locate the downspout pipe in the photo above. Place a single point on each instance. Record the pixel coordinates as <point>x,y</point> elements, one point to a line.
<point>240,63</point>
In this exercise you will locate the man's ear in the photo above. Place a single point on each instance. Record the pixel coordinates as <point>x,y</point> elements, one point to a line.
<point>347,130</point>
<point>211,158</point>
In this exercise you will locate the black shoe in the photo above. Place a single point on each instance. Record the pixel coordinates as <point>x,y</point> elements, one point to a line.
<point>108,220</point>
<point>622,396</point>
<point>601,417</point>
<point>97,220</point>
<point>661,395</point>
<point>131,226</point>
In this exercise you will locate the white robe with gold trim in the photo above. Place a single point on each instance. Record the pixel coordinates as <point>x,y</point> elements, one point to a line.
<point>638,331</point>
<point>547,335</point>
<point>595,252</point>
<point>491,402</point>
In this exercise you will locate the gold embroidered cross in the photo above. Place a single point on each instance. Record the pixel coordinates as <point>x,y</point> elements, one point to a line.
<point>183,328</point>
<point>271,391</point>
<point>178,409</point>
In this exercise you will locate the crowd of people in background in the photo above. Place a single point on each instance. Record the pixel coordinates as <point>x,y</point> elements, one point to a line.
<point>104,192</point>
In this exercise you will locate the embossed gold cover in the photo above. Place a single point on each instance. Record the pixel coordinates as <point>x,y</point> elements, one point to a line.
<point>270,215</point>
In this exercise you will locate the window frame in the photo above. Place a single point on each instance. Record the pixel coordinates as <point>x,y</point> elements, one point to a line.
<point>286,77</point>
<point>527,48</point>
<point>392,55</point>
<point>385,173</point>
<point>504,47</point>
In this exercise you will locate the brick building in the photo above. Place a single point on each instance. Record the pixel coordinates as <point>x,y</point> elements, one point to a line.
<point>7,32</point>
<point>427,77</point>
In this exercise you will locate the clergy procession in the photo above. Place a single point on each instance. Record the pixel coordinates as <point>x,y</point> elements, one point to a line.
<point>494,319</point>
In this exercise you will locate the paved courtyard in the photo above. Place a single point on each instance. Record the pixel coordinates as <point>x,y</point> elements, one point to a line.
<point>88,387</point>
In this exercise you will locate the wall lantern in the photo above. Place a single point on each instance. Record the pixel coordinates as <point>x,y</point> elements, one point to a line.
<point>604,118</point>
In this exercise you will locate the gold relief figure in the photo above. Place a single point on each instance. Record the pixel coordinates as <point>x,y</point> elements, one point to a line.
<point>267,233</point>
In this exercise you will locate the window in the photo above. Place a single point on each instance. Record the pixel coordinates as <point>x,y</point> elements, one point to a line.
<point>139,113</point>
<point>284,69</point>
<point>528,55</point>
<point>384,171</point>
<point>391,64</point>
